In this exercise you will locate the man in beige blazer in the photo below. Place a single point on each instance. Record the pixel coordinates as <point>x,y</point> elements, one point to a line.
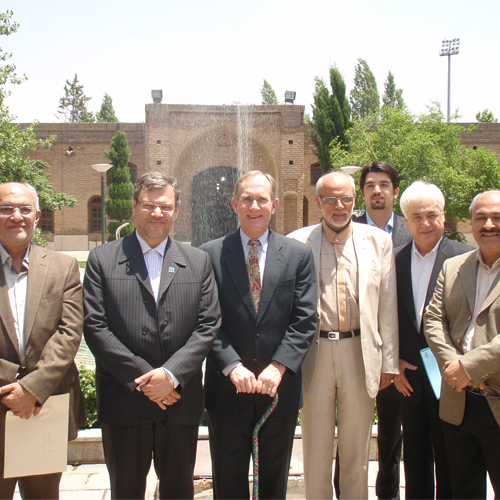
<point>41,321</point>
<point>355,350</point>
<point>462,323</point>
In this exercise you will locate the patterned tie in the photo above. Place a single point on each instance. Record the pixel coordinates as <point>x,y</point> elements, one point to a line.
<point>254,272</point>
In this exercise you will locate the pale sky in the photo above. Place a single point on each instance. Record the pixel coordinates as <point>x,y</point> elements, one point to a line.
<point>219,52</point>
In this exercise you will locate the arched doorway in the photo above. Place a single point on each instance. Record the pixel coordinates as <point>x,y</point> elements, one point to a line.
<point>212,214</point>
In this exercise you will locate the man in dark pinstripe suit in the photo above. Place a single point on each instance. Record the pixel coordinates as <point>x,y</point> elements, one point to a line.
<point>151,316</point>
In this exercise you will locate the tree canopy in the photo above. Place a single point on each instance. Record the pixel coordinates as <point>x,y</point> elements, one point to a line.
<point>15,164</point>
<point>330,117</point>
<point>120,205</point>
<point>424,147</point>
<point>486,116</point>
<point>73,105</point>
<point>107,112</point>
<point>268,94</point>
<point>393,97</point>
<point>364,97</point>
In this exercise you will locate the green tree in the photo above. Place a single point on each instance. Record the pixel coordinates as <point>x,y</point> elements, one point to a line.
<point>486,116</point>
<point>16,142</point>
<point>427,148</point>
<point>73,105</point>
<point>330,117</point>
<point>107,112</point>
<point>393,97</point>
<point>119,207</point>
<point>364,97</point>
<point>268,94</point>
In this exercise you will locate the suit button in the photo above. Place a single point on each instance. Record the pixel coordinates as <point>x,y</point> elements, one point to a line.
<point>145,331</point>
<point>145,301</point>
<point>258,334</point>
<point>254,360</point>
<point>459,341</point>
<point>317,341</point>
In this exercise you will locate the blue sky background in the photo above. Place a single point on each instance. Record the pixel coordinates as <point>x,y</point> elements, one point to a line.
<point>219,52</point>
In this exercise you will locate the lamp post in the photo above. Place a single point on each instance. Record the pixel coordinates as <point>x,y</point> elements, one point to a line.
<point>350,169</point>
<point>449,48</point>
<point>102,168</point>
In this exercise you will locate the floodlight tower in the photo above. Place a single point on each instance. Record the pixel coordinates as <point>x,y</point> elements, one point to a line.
<point>449,48</point>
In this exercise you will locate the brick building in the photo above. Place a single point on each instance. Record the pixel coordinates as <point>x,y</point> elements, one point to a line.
<point>205,148</point>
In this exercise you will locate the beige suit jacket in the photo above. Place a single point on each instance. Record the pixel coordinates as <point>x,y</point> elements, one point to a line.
<point>53,330</point>
<point>447,318</point>
<point>377,302</point>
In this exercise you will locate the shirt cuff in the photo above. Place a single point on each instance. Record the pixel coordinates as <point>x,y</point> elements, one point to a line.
<point>230,367</point>
<point>171,377</point>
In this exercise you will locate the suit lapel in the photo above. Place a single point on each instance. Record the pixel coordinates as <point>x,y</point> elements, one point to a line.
<point>275,261</point>
<point>132,254</point>
<point>314,241</point>
<point>406,288</point>
<point>234,258</point>
<point>37,273</point>
<point>5,311</point>
<point>362,250</point>
<point>468,278</point>
<point>171,263</point>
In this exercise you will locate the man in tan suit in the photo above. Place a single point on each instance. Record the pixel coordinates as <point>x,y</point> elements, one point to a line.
<point>40,328</point>
<point>355,350</point>
<point>462,323</point>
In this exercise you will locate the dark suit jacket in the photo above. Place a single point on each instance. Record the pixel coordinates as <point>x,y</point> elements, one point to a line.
<point>281,330</point>
<point>400,233</point>
<point>130,335</point>
<point>53,331</point>
<point>412,341</point>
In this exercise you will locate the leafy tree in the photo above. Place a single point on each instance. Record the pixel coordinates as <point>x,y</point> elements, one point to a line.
<point>393,97</point>
<point>330,117</point>
<point>364,97</point>
<point>427,148</point>
<point>15,164</point>
<point>107,112</point>
<point>268,94</point>
<point>120,205</point>
<point>73,105</point>
<point>486,116</point>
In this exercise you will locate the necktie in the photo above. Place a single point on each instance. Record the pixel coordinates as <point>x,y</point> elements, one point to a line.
<point>254,272</point>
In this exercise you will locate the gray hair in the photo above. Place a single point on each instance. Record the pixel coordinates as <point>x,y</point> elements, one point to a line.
<point>156,180</point>
<point>31,189</point>
<point>319,184</point>
<point>479,196</point>
<point>420,190</point>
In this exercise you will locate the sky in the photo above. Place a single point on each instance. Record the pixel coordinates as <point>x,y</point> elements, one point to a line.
<point>219,52</point>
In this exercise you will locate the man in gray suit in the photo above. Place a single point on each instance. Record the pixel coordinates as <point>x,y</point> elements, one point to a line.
<point>267,290</point>
<point>461,326</point>
<point>151,315</point>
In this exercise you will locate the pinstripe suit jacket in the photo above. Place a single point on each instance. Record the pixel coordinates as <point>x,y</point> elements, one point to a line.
<point>447,318</point>
<point>129,334</point>
<point>53,330</point>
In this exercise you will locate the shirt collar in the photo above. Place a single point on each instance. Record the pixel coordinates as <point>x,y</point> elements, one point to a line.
<point>481,261</point>
<point>160,248</point>
<point>434,250</point>
<point>388,227</point>
<point>264,238</point>
<point>6,258</point>
<point>338,238</point>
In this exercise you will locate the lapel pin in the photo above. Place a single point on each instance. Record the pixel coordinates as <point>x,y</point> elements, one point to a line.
<point>171,270</point>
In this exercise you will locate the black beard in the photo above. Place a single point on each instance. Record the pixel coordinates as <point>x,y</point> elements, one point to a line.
<point>379,205</point>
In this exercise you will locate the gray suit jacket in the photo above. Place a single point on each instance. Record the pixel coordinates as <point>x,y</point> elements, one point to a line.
<point>377,300</point>
<point>53,331</point>
<point>129,334</point>
<point>446,320</point>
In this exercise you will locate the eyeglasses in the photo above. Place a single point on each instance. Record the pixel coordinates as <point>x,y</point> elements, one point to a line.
<point>8,211</point>
<point>147,206</point>
<point>479,392</point>
<point>332,200</point>
<point>262,202</point>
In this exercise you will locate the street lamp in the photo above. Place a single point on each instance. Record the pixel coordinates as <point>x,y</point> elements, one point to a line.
<point>449,48</point>
<point>102,168</point>
<point>350,169</point>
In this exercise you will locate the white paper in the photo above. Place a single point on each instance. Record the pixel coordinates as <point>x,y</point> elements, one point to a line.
<point>38,445</point>
<point>432,370</point>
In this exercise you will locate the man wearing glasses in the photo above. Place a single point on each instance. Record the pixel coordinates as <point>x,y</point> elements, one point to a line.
<point>355,350</point>
<point>418,265</point>
<point>151,316</point>
<point>461,326</point>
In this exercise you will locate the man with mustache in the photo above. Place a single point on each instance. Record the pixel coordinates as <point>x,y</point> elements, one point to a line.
<point>354,353</point>
<point>461,326</point>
